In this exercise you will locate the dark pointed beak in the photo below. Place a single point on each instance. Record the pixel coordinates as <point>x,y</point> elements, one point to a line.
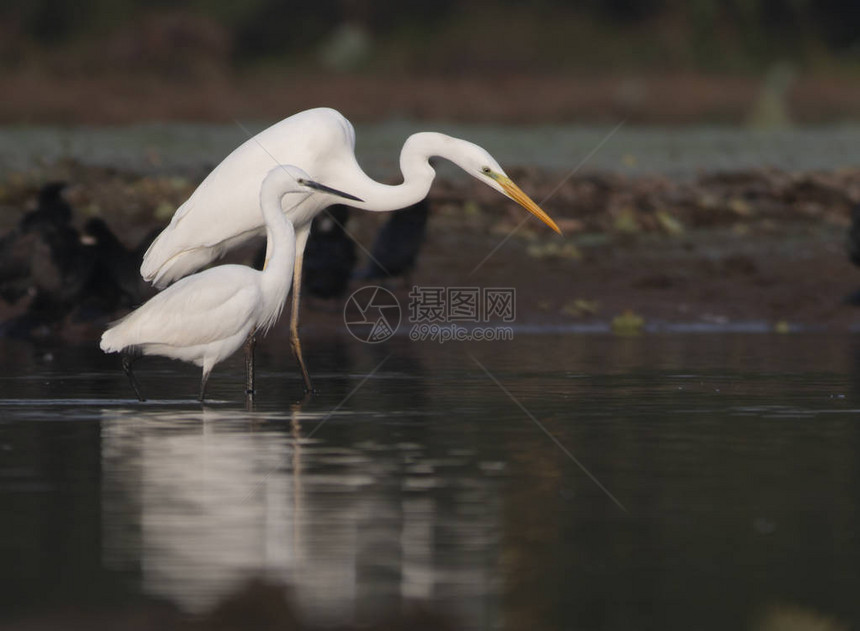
<point>331,191</point>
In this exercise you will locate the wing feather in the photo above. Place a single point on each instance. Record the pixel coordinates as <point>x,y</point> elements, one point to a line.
<point>224,210</point>
<point>197,310</point>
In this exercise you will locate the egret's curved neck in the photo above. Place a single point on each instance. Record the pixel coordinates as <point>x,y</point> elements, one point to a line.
<point>280,234</point>
<point>417,174</point>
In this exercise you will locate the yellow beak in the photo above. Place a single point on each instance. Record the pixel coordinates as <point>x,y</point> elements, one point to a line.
<point>515,193</point>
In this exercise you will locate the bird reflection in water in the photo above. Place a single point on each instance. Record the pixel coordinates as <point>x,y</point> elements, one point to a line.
<point>201,501</point>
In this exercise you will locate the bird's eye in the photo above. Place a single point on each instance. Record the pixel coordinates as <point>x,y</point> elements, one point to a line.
<point>486,170</point>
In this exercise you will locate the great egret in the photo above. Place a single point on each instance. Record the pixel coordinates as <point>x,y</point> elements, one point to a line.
<point>206,317</point>
<point>221,213</point>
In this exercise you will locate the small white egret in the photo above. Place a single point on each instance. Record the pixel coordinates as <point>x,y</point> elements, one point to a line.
<point>221,213</point>
<point>206,317</point>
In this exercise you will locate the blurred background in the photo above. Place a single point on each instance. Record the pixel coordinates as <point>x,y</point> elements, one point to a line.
<point>628,120</point>
<point>703,161</point>
<point>651,61</point>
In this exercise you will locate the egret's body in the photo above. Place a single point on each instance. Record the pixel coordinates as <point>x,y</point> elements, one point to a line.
<point>206,317</point>
<point>221,213</point>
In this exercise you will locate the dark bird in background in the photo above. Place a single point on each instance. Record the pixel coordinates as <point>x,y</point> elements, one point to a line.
<point>114,280</point>
<point>49,221</point>
<point>329,255</point>
<point>397,244</point>
<point>15,255</point>
<point>854,236</point>
<point>64,273</point>
<point>51,208</point>
<point>43,258</point>
<point>853,247</point>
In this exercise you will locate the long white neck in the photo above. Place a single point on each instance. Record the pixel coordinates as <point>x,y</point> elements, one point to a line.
<point>277,272</point>
<point>417,174</point>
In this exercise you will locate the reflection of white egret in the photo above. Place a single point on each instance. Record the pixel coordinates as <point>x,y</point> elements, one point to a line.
<point>194,502</point>
<point>188,504</point>
<point>206,317</point>
<point>222,213</point>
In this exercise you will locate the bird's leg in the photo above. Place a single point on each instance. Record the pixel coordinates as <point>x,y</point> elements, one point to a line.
<point>203,383</point>
<point>127,360</point>
<point>250,405</point>
<point>295,343</point>
<point>307,395</point>
<point>250,344</point>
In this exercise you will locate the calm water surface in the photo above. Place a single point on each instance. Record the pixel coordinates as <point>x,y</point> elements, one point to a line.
<point>580,481</point>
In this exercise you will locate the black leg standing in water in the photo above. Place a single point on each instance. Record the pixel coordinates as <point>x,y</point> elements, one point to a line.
<point>249,365</point>
<point>203,384</point>
<point>127,360</point>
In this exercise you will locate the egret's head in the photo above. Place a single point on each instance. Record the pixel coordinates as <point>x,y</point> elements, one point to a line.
<point>478,163</point>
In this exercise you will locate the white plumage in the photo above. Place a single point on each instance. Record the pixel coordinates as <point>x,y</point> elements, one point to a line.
<point>206,317</point>
<point>221,213</point>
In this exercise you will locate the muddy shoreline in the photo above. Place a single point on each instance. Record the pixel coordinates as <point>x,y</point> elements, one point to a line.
<point>762,250</point>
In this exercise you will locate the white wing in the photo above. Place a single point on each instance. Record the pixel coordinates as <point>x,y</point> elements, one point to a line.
<point>198,310</point>
<point>225,208</point>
